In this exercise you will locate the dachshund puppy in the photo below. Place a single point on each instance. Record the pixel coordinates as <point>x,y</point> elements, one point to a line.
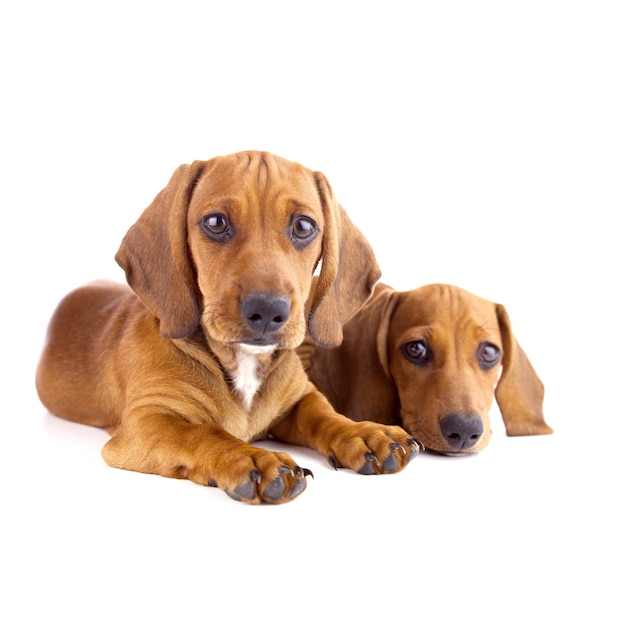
<point>430,360</point>
<point>197,358</point>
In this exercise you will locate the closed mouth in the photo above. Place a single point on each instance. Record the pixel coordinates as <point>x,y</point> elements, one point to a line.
<point>256,346</point>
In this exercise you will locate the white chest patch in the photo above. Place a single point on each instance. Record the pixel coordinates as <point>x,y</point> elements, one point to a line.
<point>246,378</point>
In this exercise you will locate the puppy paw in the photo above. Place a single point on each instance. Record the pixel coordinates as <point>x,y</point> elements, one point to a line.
<point>273,479</point>
<point>369,448</point>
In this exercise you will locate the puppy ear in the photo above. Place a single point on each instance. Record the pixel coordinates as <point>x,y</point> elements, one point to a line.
<point>349,270</point>
<point>519,392</point>
<point>378,312</point>
<point>361,362</point>
<point>367,336</point>
<point>155,258</point>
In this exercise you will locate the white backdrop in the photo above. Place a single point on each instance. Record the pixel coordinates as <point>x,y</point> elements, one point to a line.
<point>473,143</point>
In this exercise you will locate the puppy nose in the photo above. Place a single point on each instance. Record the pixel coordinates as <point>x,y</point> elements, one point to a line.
<point>265,313</point>
<point>462,432</point>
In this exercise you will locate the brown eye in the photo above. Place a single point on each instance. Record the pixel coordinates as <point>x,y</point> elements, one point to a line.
<point>488,355</point>
<point>302,231</point>
<point>418,352</point>
<point>217,227</point>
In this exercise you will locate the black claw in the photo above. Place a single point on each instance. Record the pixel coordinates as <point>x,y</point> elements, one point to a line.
<point>212,483</point>
<point>415,445</point>
<point>306,472</point>
<point>332,461</point>
<point>368,468</point>
<point>275,489</point>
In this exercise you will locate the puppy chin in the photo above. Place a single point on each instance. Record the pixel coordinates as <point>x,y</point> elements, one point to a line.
<point>250,348</point>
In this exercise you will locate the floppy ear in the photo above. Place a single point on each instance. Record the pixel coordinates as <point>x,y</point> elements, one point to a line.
<point>367,366</point>
<point>361,363</point>
<point>519,392</point>
<point>155,258</point>
<point>348,273</point>
<point>387,300</point>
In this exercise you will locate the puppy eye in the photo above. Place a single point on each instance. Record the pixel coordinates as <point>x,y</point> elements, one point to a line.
<point>217,227</point>
<point>488,355</point>
<point>302,230</point>
<point>418,353</point>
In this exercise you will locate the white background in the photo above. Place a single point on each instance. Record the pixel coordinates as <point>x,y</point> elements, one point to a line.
<point>473,143</point>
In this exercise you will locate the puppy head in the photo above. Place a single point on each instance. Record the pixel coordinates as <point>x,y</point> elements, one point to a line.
<point>232,243</point>
<point>446,348</point>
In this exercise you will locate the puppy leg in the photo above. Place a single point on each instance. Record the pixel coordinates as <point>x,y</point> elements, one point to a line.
<point>207,455</point>
<point>365,447</point>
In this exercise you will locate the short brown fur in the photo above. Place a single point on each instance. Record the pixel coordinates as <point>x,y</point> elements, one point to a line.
<point>445,404</point>
<point>163,365</point>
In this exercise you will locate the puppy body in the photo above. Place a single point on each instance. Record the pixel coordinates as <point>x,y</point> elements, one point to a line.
<point>126,364</point>
<point>196,359</point>
<point>430,359</point>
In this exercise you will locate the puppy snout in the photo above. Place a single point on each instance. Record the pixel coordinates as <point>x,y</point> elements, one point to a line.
<point>462,432</point>
<point>264,313</point>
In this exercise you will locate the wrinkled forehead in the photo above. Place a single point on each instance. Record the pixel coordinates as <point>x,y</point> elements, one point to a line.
<point>258,176</point>
<point>447,311</point>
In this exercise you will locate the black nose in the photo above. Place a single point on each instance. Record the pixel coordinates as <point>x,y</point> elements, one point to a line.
<point>462,432</point>
<point>265,313</point>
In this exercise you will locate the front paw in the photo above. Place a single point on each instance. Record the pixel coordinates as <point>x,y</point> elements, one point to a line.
<point>370,448</point>
<point>264,477</point>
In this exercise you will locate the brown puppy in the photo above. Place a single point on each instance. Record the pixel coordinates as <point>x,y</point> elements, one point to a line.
<point>430,359</point>
<point>197,360</point>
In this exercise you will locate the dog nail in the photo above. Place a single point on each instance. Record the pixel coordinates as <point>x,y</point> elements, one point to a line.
<point>332,461</point>
<point>212,483</point>
<point>416,443</point>
<point>284,469</point>
<point>302,471</point>
<point>275,489</point>
<point>368,468</point>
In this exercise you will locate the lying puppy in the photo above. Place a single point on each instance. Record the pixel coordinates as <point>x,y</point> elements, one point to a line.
<point>430,359</point>
<point>197,359</point>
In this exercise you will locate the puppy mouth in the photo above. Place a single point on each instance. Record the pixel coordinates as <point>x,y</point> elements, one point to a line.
<point>257,346</point>
<point>453,453</point>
